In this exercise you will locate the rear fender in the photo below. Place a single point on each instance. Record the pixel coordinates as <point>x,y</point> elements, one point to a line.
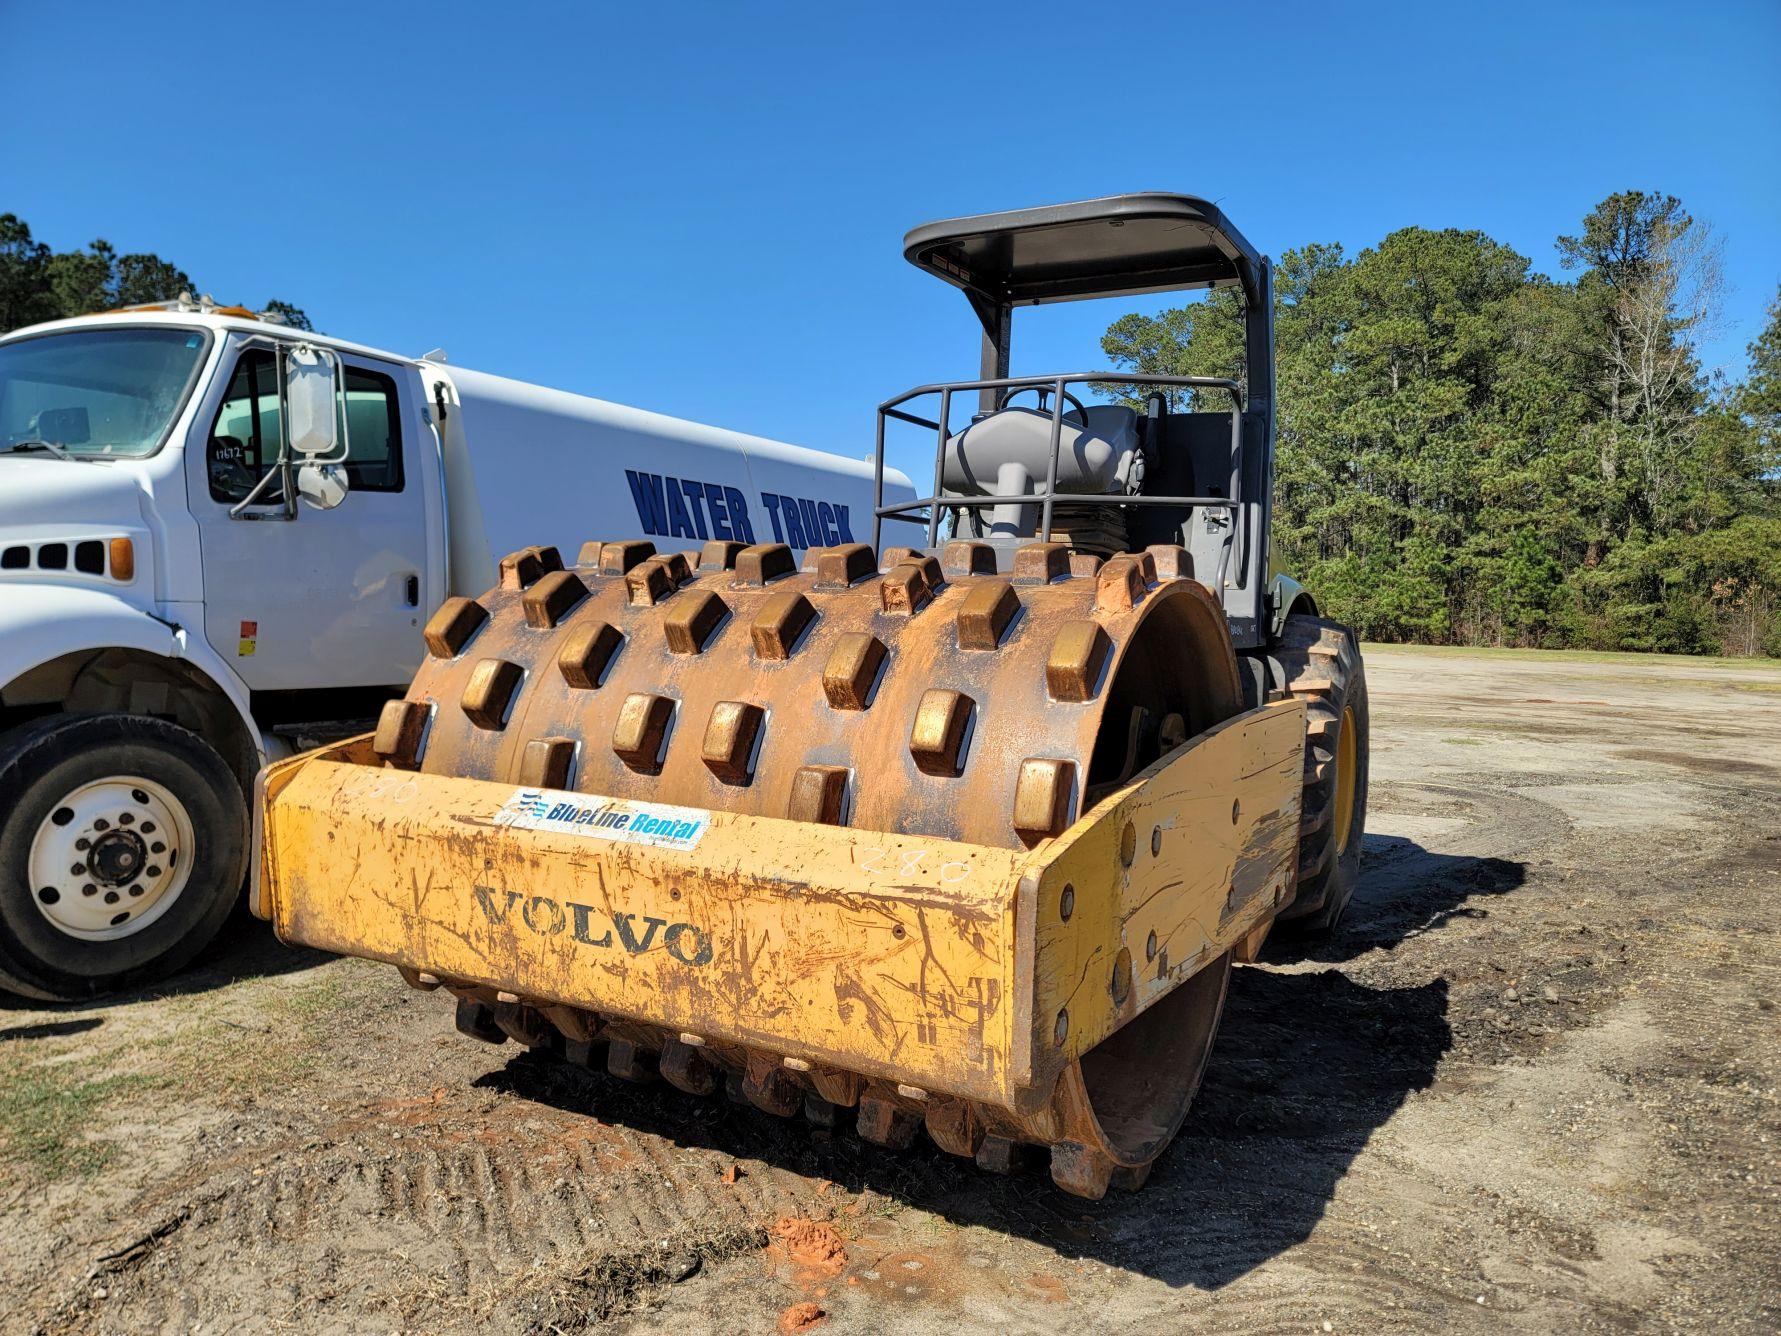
<point>1287,597</point>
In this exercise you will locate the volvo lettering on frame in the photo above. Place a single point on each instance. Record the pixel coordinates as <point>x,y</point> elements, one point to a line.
<point>615,930</point>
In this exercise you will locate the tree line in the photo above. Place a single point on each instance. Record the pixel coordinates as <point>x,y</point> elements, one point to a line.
<point>38,283</point>
<point>1471,452</point>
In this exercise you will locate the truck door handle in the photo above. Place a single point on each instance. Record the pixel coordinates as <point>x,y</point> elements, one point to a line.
<point>412,590</point>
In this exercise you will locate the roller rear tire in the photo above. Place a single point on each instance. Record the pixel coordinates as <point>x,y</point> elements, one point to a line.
<point>1320,663</point>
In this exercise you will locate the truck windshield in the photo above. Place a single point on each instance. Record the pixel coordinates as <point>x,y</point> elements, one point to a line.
<point>97,392</point>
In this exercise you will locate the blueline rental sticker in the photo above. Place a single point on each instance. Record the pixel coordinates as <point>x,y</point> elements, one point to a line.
<point>607,819</point>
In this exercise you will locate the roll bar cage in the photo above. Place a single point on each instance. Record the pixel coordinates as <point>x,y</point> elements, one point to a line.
<point>908,511</point>
<point>1121,245</point>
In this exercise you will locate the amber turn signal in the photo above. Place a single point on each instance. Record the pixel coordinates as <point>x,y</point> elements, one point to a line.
<point>123,560</point>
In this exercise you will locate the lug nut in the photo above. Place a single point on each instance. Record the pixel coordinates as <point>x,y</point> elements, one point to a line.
<point>125,818</point>
<point>83,843</point>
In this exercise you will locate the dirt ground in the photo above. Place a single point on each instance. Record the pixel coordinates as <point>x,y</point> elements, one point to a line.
<point>1531,1083</point>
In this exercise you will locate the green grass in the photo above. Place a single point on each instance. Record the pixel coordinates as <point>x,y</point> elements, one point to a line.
<point>53,1106</point>
<point>47,1115</point>
<point>283,1039</point>
<point>1567,655</point>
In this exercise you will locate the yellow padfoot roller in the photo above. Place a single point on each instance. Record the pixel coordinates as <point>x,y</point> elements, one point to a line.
<point>962,837</point>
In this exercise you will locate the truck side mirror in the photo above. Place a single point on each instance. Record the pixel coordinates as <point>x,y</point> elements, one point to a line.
<point>311,423</point>
<point>322,486</point>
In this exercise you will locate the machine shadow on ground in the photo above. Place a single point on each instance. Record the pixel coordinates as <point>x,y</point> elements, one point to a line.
<point>1405,890</point>
<point>49,1029</point>
<point>245,949</point>
<point>1309,1064</point>
<point>1307,1067</point>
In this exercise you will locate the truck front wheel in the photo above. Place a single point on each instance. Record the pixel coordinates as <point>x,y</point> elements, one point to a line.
<point>123,841</point>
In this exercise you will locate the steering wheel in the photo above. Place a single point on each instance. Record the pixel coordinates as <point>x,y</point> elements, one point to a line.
<point>1044,393</point>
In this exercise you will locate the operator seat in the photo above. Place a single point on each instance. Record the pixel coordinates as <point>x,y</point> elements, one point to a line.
<point>1006,452</point>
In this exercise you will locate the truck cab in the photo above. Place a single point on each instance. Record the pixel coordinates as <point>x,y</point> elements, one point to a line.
<point>220,539</point>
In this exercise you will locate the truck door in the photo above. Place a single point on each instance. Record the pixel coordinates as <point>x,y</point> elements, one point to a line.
<point>332,598</point>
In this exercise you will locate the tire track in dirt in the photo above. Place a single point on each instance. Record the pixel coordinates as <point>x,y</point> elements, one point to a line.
<point>473,1214</point>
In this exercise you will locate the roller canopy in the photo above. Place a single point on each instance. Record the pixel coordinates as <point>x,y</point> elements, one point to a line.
<point>1150,242</point>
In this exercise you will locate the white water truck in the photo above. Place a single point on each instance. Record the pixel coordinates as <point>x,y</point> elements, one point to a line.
<point>219,541</point>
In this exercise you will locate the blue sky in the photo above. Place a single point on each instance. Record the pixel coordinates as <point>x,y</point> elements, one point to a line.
<point>698,208</point>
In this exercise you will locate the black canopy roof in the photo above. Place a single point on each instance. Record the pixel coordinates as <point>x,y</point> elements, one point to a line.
<point>1151,242</point>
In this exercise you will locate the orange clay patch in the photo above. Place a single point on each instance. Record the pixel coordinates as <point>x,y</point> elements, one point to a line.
<point>813,1245</point>
<point>800,1317</point>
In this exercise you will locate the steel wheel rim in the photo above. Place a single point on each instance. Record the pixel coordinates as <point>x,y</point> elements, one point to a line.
<point>1346,757</point>
<point>110,858</point>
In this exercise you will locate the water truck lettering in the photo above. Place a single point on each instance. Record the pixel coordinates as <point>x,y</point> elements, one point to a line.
<point>670,507</point>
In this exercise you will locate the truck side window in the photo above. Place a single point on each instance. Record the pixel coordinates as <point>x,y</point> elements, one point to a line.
<point>247,434</point>
<point>374,432</point>
<point>245,438</point>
